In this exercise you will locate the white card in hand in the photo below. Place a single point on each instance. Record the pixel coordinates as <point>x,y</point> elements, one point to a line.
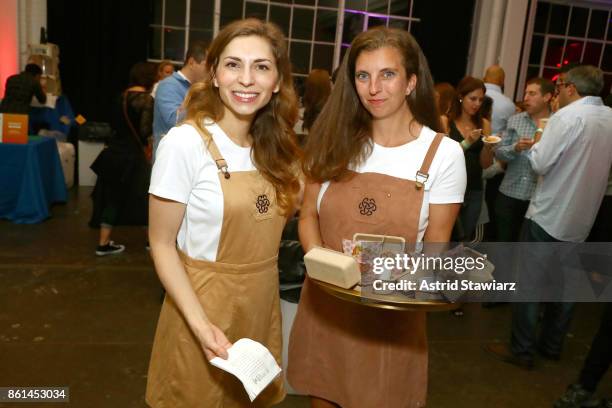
<point>252,363</point>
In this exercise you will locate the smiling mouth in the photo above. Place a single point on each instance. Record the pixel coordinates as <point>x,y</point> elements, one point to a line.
<point>376,102</point>
<point>245,97</point>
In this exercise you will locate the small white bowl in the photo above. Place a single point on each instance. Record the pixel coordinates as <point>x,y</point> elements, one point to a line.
<point>491,140</point>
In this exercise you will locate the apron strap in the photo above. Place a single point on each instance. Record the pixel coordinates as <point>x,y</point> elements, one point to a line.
<point>212,148</point>
<point>422,175</point>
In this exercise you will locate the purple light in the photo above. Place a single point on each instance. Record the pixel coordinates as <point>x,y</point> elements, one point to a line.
<point>365,13</point>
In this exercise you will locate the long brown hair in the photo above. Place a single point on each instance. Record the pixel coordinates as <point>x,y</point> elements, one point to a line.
<point>275,151</point>
<point>464,87</point>
<point>316,91</point>
<point>446,93</point>
<point>341,135</point>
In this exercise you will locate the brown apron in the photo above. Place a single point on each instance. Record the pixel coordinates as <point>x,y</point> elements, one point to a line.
<point>238,292</point>
<point>354,355</point>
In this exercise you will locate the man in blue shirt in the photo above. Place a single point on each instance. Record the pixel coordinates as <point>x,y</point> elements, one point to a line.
<point>503,107</point>
<point>520,180</point>
<point>172,90</point>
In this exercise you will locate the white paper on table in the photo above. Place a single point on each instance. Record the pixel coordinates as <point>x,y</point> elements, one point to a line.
<point>252,363</point>
<point>49,103</point>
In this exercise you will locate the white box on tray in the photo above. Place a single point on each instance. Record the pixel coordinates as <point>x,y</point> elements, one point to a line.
<point>332,267</point>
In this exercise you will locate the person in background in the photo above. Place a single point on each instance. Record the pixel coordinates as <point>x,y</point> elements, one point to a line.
<point>445,93</point>
<point>223,185</point>
<point>123,168</point>
<point>503,107</point>
<point>602,227</point>
<point>465,124</point>
<point>492,177</point>
<point>172,90</point>
<point>572,158</point>
<point>554,103</point>
<point>520,106</point>
<point>376,140</point>
<point>20,89</point>
<point>582,392</point>
<point>164,69</point>
<point>520,180</point>
<point>317,88</point>
<point>316,91</point>
<point>597,362</point>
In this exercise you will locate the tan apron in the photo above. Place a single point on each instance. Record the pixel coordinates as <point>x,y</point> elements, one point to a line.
<point>239,293</point>
<point>354,355</point>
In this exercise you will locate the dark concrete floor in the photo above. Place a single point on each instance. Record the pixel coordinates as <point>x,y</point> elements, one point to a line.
<point>69,318</point>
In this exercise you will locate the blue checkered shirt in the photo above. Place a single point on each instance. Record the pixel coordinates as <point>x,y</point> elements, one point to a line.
<point>520,180</point>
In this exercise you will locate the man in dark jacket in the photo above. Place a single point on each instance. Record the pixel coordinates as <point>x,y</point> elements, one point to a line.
<point>20,88</point>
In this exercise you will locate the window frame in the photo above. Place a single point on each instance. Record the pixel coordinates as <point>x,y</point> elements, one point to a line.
<point>337,44</point>
<point>531,31</point>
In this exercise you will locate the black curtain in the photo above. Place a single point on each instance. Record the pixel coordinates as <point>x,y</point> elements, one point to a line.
<point>444,34</point>
<point>99,41</point>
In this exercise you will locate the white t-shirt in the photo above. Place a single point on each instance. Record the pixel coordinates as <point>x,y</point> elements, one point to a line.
<point>185,172</point>
<point>447,174</point>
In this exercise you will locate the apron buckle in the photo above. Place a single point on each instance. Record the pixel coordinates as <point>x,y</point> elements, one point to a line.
<point>421,178</point>
<point>222,165</point>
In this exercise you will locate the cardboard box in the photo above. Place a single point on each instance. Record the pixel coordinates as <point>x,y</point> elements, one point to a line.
<point>46,56</point>
<point>13,128</point>
<point>48,50</point>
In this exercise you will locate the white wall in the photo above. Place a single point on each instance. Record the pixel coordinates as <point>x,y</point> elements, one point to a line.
<point>32,16</point>
<point>512,38</point>
<point>497,38</point>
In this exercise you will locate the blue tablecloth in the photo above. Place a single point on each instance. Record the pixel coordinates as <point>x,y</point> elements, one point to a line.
<point>50,118</point>
<point>31,178</point>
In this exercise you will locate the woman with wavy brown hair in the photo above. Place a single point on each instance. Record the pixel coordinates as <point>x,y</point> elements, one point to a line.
<point>375,142</point>
<point>223,184</point>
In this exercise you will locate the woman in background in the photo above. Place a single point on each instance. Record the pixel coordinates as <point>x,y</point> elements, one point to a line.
<point>317,87</point>
<point>445,93</point>
<point>123,169</point>
<point>465,124</point>
<point>164,69</point>
<point>316,91</point>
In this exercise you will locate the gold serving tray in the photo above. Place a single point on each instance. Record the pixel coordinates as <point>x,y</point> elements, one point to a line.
<point>389,302</point>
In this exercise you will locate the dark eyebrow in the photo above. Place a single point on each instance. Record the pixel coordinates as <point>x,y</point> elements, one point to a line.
<point>380,70</point>
<point>240,60</point>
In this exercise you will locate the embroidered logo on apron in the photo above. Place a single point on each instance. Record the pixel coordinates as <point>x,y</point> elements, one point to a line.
<point>367,206</point>
<point>262,203</point>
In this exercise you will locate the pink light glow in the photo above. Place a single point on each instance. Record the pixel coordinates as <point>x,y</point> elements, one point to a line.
<point>9,42</point>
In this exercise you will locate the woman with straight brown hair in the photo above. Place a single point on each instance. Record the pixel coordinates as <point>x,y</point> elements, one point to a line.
<point>466,124</point>
<point>222,187</point>
<point>375,140</point>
